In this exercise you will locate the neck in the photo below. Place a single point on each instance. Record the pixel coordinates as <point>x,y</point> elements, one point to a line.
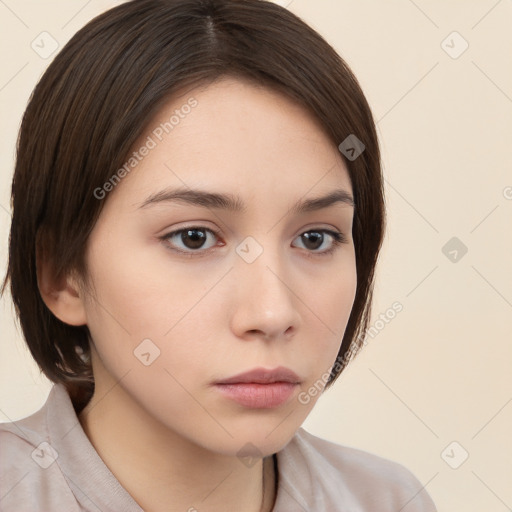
<point>162,471</point>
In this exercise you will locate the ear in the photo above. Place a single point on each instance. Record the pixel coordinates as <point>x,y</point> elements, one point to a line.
<point>63,296</point>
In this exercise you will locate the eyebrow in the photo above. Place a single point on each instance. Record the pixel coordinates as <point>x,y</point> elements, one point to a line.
<point>229,202</point>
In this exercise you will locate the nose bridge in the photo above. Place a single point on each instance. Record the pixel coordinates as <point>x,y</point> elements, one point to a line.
<point>264,299</point>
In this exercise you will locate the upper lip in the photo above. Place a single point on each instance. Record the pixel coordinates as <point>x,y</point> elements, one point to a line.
<point>263,376</point>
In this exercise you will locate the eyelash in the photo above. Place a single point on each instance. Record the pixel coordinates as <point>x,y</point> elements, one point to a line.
<point>338,239</point>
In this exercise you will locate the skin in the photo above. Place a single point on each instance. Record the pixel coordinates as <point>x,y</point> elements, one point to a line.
<point>168,436</point>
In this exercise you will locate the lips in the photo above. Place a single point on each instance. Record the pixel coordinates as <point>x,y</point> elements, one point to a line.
<point>260,388</point>
<point>263,376</point>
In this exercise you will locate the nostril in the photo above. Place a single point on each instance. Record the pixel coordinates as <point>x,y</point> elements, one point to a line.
<point>257,332</point>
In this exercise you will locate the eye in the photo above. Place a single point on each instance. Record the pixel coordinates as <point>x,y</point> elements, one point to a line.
<point>192,239</point>
<point>316,238</point>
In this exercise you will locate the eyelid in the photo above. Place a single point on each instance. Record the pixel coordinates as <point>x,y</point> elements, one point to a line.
<point>337,235</point>
<point>339,238</point>
<point>200,252</point>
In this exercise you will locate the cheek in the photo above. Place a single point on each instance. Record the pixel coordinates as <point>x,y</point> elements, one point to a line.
<point>140,297</point>
<point>137,294</point>
<point>336,297</point>
<point>332,306</point>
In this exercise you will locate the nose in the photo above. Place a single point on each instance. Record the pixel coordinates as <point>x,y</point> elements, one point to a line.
<point>264,302</point>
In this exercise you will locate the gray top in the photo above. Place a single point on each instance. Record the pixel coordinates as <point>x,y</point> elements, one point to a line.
<point>47,463</point>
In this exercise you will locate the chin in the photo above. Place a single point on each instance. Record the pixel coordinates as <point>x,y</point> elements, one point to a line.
<point>254,439</point>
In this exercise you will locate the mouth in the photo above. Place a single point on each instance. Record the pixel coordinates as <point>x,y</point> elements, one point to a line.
<point>260,388</point>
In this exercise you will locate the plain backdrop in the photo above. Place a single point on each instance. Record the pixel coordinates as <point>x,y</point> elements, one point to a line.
<point>432,388</point>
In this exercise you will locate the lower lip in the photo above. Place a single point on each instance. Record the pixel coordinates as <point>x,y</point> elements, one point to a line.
<point>258,396</point>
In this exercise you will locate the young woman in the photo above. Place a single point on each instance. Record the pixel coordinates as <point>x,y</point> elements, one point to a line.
<point>197,215</point>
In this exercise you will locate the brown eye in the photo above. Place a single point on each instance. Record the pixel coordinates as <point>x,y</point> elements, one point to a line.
<point>190,239</point>
<point>314,239</point>
<point>193,238</point>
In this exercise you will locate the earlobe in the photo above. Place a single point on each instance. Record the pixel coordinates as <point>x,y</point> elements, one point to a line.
<point>63,297</point>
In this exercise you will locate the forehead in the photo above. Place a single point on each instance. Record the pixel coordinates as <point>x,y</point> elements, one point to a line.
<point>237,136</point>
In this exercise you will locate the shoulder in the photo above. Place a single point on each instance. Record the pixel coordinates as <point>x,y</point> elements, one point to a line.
<point>353,462</point>
<point>19,438</point>
<point>355,478</point>
<point>29,473</point>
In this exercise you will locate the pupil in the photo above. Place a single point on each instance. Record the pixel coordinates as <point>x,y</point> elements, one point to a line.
<point>196,236</point>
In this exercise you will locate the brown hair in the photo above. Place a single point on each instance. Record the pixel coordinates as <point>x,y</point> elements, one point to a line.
<point>97,97</point>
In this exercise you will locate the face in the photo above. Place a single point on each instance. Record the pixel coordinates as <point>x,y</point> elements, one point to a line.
<point>189,294</point>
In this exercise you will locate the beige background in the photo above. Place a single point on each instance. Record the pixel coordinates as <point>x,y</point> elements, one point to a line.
<point>438,372</point>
